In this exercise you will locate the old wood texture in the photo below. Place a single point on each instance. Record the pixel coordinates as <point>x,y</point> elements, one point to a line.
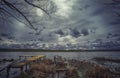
<point>26,62</point>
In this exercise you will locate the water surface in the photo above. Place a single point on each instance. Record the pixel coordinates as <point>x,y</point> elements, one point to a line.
<point>70,55</point>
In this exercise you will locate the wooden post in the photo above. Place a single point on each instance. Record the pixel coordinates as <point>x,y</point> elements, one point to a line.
<point>19,57</point>
<point>53,75</point>
<point>26,67</point>
<point>8,71</point>
<point>21,69</point>
<point>58,74</point>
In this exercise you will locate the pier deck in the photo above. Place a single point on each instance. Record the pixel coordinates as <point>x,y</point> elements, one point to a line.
<point>27,61</point>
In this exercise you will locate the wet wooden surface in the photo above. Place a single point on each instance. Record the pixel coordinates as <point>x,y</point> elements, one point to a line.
<point>23,63</point>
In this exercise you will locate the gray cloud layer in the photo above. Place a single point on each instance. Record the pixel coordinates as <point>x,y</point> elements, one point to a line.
<point>78,19</point>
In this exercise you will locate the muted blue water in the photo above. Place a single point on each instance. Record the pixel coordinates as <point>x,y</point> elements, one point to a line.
<point>70,55</point>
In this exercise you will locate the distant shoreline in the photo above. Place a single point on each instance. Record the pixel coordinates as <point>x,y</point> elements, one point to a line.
<point>41,50</point>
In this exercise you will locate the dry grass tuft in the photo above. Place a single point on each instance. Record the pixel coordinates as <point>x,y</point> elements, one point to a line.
<point>42,70</point>
<point>99,72</point>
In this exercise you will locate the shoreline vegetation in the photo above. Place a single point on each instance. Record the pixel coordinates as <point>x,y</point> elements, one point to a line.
<point>69,68</point>
<point>43,50</point>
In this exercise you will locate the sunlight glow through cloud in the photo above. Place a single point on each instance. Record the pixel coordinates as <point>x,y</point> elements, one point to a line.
<point>39,12</point>
<point>64,7</point>
<point>66,39</point>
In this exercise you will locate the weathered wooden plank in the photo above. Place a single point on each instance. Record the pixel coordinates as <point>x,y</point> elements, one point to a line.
<point>35,58</point>
<point>19,64</point>
<point>61,69</point>
<point>23,63</point>
<point>28,60</point>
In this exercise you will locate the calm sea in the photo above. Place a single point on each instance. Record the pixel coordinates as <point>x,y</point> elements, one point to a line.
<point>69,55</point>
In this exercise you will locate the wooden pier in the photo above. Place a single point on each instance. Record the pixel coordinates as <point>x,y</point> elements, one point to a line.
<point>24,63</point>
<point>3,67</point>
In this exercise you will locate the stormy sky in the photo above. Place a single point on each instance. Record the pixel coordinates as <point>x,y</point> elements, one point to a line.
<point>70,21</point>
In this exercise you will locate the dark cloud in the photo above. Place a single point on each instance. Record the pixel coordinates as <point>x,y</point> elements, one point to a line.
<point>63,32</point>
<point>114,22</point>
<point>85,32</point>
<point>84,20</point>
<point>76,33</point>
